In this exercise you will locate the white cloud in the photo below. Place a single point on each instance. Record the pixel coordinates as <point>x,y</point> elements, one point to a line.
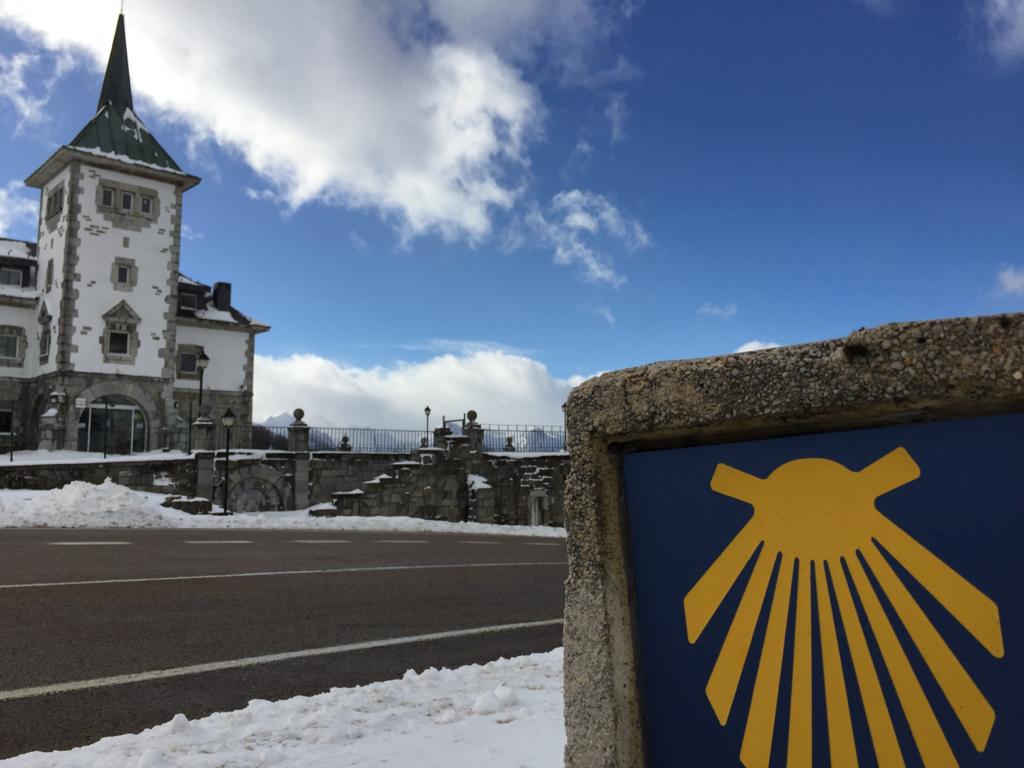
<point>715,310</point>
<point>463,347</point>
<point>606,313</point>
<point>577,222</point>
<point>189,233</point>
<point>1002,22</point>
<point>14,89</point>
<point>416,108</point>
<point>617,113</point>
<point>358,242</point>
<point>754,345</point>
<point>503,388</point>
<point>1011,280</point>
<point>17,210</point>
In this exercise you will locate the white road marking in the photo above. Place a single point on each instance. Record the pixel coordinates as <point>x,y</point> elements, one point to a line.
<point>402,541</point>
<point>321,541</point>
<point>217,541</point>
<point>254,574</point>
<point>86,543</point>
<point>251,661</point>
<point>478,542</point>
<point>543,544</point>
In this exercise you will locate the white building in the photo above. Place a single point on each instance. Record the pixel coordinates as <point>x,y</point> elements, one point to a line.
<point>100,334</point>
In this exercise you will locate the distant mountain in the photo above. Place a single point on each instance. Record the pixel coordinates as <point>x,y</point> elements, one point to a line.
<point>284,419</point>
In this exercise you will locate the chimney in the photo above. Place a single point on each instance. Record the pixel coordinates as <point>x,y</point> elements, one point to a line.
<point>222,296</point>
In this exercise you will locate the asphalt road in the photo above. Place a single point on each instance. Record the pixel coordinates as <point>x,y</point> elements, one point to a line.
<point>102,631</point>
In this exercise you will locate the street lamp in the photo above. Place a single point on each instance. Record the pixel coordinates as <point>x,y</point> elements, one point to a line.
<point>228,420</point>
<point>201,362</point>
<point>426,411</point>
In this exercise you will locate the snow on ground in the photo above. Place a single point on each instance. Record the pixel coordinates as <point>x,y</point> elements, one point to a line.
<point>109,505</point>
<point>505,714</point>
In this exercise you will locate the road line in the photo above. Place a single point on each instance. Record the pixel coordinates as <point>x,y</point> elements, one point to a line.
<point>544,544</point>
<point>478,542</point>
<point>401,541</point>
<point>255,574</point>
<point>86,543</point>
<point>251,661</point>
<point>321,541</point>
<point>217,541</point>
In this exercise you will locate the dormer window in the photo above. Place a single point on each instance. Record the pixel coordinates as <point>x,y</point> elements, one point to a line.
<point>127,201</point>
<point>188,301</point>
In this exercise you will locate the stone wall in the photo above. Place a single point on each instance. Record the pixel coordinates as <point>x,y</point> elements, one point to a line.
<point>436,484</point>
<point>171,476</point>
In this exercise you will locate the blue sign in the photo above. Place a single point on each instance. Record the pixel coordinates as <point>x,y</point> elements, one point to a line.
<point>839,599</point>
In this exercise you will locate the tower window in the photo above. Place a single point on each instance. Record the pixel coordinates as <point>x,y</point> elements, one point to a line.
<point>44,345</point>
<point>49,274</point>
<point>6,422</point>
<point>11,276</point>
<point>146,204</point>
<point>118,343</point>
<point>124,273</point>
<point>188,362</point>
<point>54,202</point>
<point>127,201</point>
<point>107,197</point>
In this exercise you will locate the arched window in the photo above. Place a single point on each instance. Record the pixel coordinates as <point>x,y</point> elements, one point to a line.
<point>113,424</point>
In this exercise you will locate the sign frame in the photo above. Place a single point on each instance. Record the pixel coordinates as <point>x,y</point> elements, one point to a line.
<point>894,374</point>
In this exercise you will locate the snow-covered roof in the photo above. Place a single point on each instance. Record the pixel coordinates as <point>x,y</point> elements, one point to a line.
<point>21,249</point>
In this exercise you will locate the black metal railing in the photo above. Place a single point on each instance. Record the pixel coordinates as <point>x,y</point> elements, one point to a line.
<point>498,438</point>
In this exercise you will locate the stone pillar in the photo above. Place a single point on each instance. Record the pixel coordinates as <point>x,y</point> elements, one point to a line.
<point>298,433</point>
<point>204,475</point>
<point>440,434</point>
<point>300,480</point>
<point>203,435</point>
<point>48,431</point>
<point>474,432</point>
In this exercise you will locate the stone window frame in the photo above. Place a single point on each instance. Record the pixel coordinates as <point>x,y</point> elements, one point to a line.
<point>120,319</point>
<point>22,343</point>
<point>188,349</point>
<point>133,273</point>
<point>55,202</point>
<point>127,218</point>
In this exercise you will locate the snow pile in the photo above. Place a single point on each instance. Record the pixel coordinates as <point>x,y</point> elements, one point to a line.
<point>84,505</point>
<point>108,505</point>
<point>477,482</point>
<point>505,714</point>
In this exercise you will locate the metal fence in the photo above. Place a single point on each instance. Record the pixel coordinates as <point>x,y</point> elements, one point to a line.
<point>497,438</point>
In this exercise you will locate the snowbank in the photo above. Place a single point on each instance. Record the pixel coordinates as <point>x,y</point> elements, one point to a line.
<point>506,714</point>
<point>108,505</point>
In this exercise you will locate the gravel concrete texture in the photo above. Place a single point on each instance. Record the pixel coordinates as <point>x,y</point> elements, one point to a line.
<point>902,372</point>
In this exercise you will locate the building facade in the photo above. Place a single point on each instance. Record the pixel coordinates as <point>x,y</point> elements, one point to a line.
<point>101,336</point>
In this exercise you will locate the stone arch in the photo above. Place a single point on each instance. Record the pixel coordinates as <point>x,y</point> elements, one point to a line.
<point>256,488</point>
<point>124,388</point>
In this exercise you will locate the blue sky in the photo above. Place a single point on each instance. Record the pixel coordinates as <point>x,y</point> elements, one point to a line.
<point>473,205</point>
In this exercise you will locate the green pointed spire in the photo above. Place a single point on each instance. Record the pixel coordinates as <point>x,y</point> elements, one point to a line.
<point>117,84</point>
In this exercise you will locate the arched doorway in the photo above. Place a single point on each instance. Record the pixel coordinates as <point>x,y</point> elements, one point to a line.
<point>114,424</point>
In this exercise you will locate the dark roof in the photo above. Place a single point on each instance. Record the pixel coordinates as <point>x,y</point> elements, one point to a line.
<point>116,129</point>
<point>117,83</point>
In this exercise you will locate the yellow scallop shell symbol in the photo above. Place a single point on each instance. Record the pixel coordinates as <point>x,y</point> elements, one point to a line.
<point>818,520</point>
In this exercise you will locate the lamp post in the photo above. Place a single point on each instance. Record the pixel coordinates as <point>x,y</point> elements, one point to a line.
<point>426,411</point>
<point>228,420</point>
<point>201,362</point>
